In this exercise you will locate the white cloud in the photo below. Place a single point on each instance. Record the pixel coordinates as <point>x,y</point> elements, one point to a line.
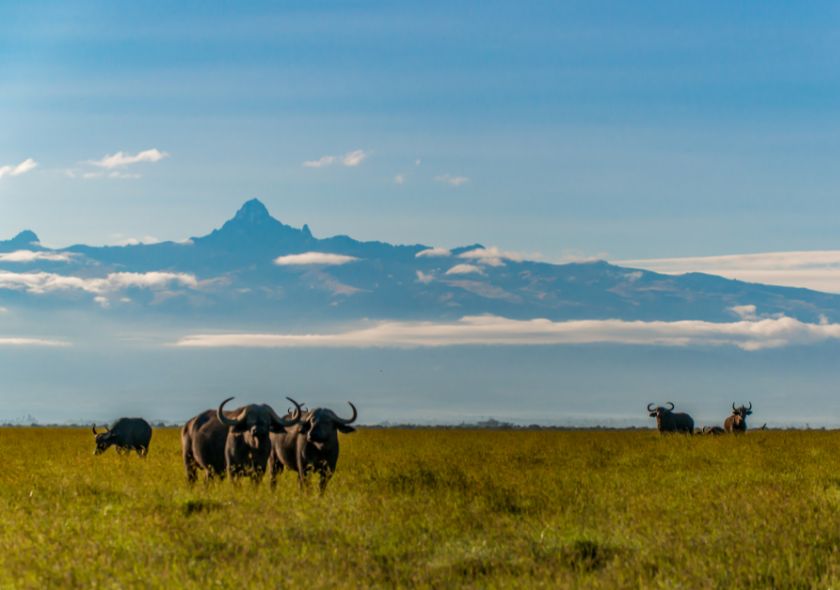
<point>493,330</point>
<point>818,269</point>
<point>14,341</point>
<point>18,169</point>
<point>44,282</point>
<point>4,310</point>
<point>424,278</point>
<point>320,162</point>
<point>418,161</point>
<point>350,159</point>
<point>120,159</point>
<point>493,256</point>
<point>464,269</point>
<point>322,258</point>
<point>24,256</point>
<point>399,179</point>
<point>122,240</point>
<point>452,180</point>
<point>433,252</point>
<point>354,158</point>
<point>745,312</point>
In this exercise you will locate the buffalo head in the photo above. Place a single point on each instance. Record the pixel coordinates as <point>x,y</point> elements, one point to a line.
<point>255,421</point>
<point>320,425</point>
<point>659,411</point>
<point>103,440</point>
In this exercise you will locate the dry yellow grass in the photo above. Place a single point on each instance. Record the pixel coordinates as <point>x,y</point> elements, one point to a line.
<point>433,508</point>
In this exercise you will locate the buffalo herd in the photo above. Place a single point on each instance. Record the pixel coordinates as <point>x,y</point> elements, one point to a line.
<point>245,441</point>
<point>667,420</point>
<point>242,442</point>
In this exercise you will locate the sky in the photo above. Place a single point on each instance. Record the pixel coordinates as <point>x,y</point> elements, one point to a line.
<point>563,129</point>
<point>675,137</point>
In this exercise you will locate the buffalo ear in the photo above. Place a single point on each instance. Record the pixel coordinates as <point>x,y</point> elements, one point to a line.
<point>345,429</point>
<point>653,414</point>
<point>304,427</point>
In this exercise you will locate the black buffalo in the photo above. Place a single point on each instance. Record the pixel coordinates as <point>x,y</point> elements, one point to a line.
<point>126,434</point>
<point>669,421</point>
<point>310,446</point>
<point>235,442</point>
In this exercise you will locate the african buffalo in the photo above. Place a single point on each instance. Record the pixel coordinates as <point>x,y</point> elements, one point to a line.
<point>309,446</point>
<point>712,430</point>
<point>126,434</point>
<point>737,422</point>
<point>669,421</point>
<point>235,442</point>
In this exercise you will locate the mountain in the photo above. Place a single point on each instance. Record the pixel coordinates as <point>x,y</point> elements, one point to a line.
<point>254,267</point>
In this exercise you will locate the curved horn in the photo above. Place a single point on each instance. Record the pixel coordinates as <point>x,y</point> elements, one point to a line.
<point>734,409</point>
<point>650,407</point>
<point>224,419</point>
<point>287,421</point>
<point>750,408</point>
<point>93,428</point>
<point>351,419</point>
<point>670,404</point>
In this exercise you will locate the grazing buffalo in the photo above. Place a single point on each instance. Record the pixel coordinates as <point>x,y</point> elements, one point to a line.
<point>669,421</point>
<point>713,430</point>
<point>126,434</point>
<point>235,442</point>
<point>737,422</point>
<point>312,445</point>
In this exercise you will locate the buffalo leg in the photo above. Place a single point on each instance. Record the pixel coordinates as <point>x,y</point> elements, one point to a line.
<point>275,468</point>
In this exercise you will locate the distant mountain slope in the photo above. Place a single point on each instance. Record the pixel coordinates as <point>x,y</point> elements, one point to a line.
<point>234,272</point>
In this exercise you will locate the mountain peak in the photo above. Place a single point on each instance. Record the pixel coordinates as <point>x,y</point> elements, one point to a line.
<point>26,237</point>
<point>252,211</point>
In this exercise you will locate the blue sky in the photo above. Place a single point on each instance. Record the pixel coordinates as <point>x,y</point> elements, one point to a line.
<point>591,128</point>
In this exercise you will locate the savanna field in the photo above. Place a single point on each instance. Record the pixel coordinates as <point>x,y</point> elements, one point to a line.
<point>433,508</point>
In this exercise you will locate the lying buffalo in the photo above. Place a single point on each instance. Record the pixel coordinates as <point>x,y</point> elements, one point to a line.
<point>712,430</point>
<point>737,421</point>
<point>126,434</point>
<point>669,421</point>
<point>312,445</point>
<point>235,442</point>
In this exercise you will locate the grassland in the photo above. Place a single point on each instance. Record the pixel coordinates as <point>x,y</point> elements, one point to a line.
<point>433,508</point>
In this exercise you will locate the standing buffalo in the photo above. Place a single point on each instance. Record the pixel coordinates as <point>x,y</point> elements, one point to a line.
<point>310,446</point>
<point>126,434</point>
<point>669,421</point>
<point>737,422</point>
<point>232,441</point>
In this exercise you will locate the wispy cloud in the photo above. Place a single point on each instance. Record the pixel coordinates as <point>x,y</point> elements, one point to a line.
<point>424,278</point>
<point>399,179</point>
<point>24,256</point>
<point>18,169</point>
<point>493,256</point>
<point>350,159</point>
<point>465,269</point>
<point>122,240</point>
<point>15,341</point>
<point>433,252</point>
<point>452,180</point>
<point>320,258</point>
<point>122,159</point>
<point>494,330</point>
<point>819,269</point>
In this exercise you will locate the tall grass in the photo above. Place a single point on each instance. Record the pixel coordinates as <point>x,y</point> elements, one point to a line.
<point>433,508</point>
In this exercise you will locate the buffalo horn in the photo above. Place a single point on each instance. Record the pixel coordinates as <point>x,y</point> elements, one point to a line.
<point>287,421</point>
<point>650,407</point>
<point>224,419</point>
<point>670,404</point>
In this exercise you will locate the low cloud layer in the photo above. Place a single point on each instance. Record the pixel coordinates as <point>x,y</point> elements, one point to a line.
<point>25,256</point>
<point>493,330</point>
<point>433,253</point>
<point>818,270</point>
<point>18,169</point>
<point>319,258</point>
<point>44,282</point>
<point>29,342</point>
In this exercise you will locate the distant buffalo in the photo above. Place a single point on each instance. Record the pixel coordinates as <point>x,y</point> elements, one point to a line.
<point>311,445</point>
<point>736,423</point>
<point>713,430</point>
<point>234,442</point>
<point>669,421</point>
<point>126,434</point>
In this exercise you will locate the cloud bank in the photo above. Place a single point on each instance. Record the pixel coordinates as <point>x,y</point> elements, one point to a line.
<point>24,256</point>
<point>14,341</point>
<point>818,270</point>
<point>499,331</point>
<point>40,283</point>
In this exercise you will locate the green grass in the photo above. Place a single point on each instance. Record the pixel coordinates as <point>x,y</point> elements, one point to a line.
<point>433,508</point>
